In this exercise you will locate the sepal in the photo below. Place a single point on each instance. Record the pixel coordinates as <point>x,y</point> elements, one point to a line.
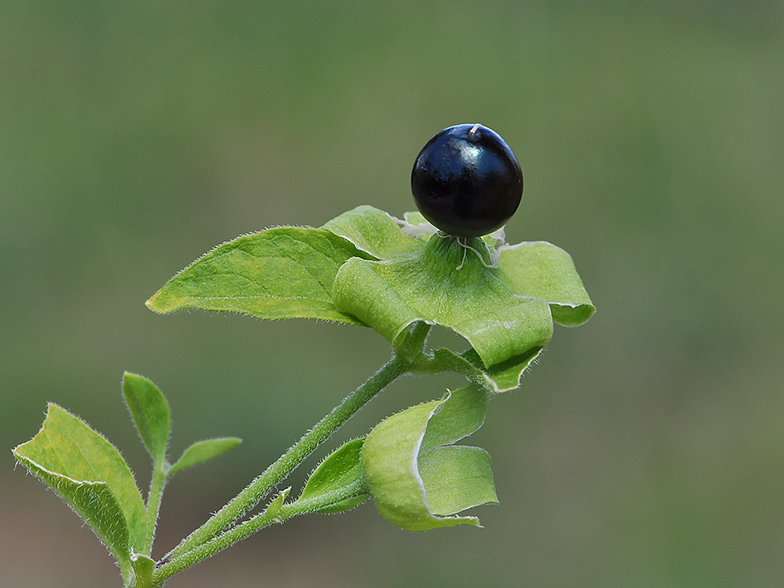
<point>418,479</point>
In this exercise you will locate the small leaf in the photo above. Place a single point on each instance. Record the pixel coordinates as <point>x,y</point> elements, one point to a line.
<point>202,451</point>
<point>418,480</point>
<point>544,271</point>
<point>337,484</point>
<point>88,472</point>
<point>150,413</point>
<point>273,508</point>
<point>285,272</point>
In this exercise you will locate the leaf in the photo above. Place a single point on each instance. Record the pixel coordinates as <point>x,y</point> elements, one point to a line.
<point>150,413</point>
<point>285,272</point>
<point>372,231</point>
<point>273,508</point>
<point>544,271</point>
<point>143,568</point>
<point>474,301</point>
<point>337,484</point>
<point>457,478</point>
<point>500,378</point>
<point>202,451</point>
<point>418,480</point>
<point>90,475</point>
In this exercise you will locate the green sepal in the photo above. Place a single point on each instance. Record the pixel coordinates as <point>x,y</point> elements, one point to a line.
<point>418,479</point>
<point>91,476</point>
<point>374,232</point>
<point>202,451</point>
<point>500,378</point>
<point>547,272</point>
<point>337,484</point>
<point>150,413</point>
<point>284,272</point>
<point>501,298</point>
<point>428,286</point>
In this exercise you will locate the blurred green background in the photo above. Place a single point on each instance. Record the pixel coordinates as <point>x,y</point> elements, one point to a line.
<point>647,447</point>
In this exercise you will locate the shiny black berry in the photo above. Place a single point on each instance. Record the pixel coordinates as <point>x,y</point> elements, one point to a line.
<point>466,181</point>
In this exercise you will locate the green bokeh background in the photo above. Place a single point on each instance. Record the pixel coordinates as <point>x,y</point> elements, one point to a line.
<point>647,447</point>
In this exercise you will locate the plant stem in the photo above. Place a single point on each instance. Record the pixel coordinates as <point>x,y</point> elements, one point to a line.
<point>207,539</point>
<point>154,502</point>
<point>276,513</point>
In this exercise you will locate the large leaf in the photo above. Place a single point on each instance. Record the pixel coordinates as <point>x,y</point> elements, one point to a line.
<point>92,477</point>
<point>150,413</point>
<point>417,478</point>
<point>285,272</point>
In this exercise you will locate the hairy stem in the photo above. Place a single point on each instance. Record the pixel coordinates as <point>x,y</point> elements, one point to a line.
<point>208,538</point>
<point>154,502</point>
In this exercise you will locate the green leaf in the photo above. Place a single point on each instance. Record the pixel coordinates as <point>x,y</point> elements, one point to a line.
<point>500,378</point>
<point>143,568</point>
<point>88,472</point>
<point>285,272</point>
<point>150,413</point>
<point>544,271</point>
<point>202,451</point>
<point>337,484</point>
<point>474,301</point>
<point>373,231</point>
<point>418,480</point>
<point>457,478</point>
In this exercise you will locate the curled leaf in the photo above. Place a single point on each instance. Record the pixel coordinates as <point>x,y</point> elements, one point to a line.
<point>91,476</point>
<point>418,479</point>
<point>547,272</point>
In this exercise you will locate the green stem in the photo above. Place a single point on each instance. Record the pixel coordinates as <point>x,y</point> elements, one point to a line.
<point>216,544</point>
<point>207,539</point>
<point>277,514</point>
<point>154,502</point>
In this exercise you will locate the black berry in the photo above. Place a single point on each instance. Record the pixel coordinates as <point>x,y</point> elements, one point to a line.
<point>466,181</point>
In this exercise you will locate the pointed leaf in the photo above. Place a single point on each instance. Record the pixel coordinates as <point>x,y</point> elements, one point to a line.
<point>285,272</point>
<point>337,484</point>
<point>544,271</point>
<point>416,482</point>
<point>273,508</point>
<point>150,413</point>
<point>202,451</point>
<point>88,472</point>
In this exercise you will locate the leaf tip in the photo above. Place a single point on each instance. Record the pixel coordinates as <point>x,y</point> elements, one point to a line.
<point>153,303</point>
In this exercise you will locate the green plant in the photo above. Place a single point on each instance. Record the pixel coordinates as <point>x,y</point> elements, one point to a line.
<point>363,268</point>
